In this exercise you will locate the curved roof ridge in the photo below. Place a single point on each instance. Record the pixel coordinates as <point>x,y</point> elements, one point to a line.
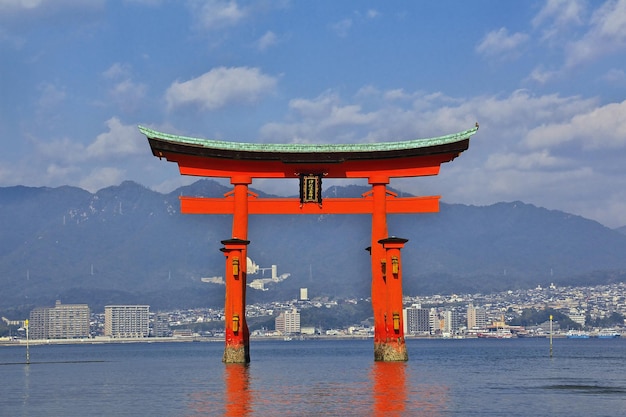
<point>307,148</point>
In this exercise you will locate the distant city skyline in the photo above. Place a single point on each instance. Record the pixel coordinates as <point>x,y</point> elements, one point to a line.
<point>545,80</point>
<point>435,315</point>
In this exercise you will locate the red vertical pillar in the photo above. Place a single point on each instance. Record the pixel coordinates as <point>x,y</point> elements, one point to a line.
<point>379,231</point>
<point>394,344</point>
<point>237,343</point>
<point>240,214</point>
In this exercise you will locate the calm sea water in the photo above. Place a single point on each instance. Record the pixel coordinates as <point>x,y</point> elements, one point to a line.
<point>310,378</point>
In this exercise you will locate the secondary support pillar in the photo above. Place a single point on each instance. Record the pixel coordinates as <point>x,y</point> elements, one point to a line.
<point>237,335</point>
<point>393,347</point>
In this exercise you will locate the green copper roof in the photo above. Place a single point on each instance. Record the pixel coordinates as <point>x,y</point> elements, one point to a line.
<point>309,148</point>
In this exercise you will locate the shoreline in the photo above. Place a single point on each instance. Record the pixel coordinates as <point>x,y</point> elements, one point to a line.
<point>201,339</point>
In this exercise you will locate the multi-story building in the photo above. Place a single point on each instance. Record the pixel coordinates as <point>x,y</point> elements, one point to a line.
<point>63,321</point>
<point>288,322</point>
<point>161,325</point>
<point>450,321</point>
<point>127,321</point>
<point>476,317</point>
<point>577,316</point>
<point>417,319</point>
<point>434,321</point>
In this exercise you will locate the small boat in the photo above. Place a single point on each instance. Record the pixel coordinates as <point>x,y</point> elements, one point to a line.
<point>497,334</point>
<point>608,334</point>
<point>577,334</point>
<point>532,335</point>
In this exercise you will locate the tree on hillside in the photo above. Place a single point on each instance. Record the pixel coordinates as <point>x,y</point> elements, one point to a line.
<point>615,319</point>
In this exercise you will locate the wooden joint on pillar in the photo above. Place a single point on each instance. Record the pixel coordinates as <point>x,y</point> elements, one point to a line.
<point>241,179</point>
<point>231,193</point>
<point>378,179</point>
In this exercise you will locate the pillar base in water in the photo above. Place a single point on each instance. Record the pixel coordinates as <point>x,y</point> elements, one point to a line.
<point>236,354</point>
<point>390,352</point>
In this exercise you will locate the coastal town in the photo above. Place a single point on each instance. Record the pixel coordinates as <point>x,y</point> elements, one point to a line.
<point>578,312</point>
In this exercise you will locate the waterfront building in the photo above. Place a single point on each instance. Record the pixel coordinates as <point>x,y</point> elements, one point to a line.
<point>450,321</point>
<point>434,321</point>
<point>63,321</point>
<point>161,325</point>
<point>122,321</point>
<point>417,319</point>
<point>476,317</point>
<point>288,322</point>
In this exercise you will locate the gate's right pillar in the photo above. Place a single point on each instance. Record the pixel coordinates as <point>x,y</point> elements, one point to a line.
<point>386,287</point>
<point>393,348</point>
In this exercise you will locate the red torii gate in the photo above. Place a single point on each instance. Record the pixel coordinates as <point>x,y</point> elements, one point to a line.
<point>378,162</point>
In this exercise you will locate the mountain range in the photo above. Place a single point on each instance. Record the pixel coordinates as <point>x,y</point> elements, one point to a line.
<point>129,244</point>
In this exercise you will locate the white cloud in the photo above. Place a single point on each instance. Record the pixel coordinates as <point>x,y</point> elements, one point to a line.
<point>615,76</point>
<point>62,151</point>
<point>603,127</point>
<point>372,13</point>
<point>524,162</point>
<point>44,8</point>
<point>217,14</point>
<point>51,96</point>
<point>117,70</point>
<point>342,27</point>
<point>267,40</point>
<point>219,87</point>
<point>542,76</point>
<point>124,92</point>
<point>558,15</point>
<point>102,177</point>
<point>15,5</point>
<point>120,140</point>
<point>64,161</point>
<point>516,154</point>
<point>606,34</point>
<point>500,43</point>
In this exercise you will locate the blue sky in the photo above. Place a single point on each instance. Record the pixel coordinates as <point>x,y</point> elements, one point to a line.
<point>546,80</point>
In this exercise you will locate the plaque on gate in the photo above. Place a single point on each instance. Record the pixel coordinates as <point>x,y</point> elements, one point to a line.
<point>311,188</point>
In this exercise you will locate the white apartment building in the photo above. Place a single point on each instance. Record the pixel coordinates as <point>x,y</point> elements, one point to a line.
<point>126,321</point>
<point>63,321</point>
<point>417,319</point>
<point>288,322</point>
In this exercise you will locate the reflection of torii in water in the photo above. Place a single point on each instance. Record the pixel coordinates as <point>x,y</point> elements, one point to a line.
<point>259,283</point>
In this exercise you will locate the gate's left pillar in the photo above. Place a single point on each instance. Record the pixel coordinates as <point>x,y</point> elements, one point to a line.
<point>237,342</point>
